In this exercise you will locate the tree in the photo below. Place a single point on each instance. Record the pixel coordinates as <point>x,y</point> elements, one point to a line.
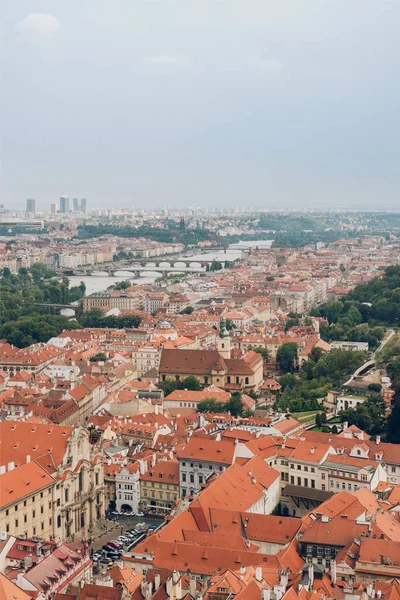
<point>229,324</point>
<point>216,265</point>
<point>287,381</point>
<point>235,404</point>
<point>92,318</point>
<point>291,323</point>
<point>98,357</point>
<point>263,351</point>
<point>187,311</point>
<point>375,387</point>
<point>286,357</point>
<point>211,405</point>
<point>393,426</point>
<point>187,383</point>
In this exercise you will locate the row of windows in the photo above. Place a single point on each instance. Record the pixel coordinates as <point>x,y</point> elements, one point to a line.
<point>200,466</point>
<point>33,511</point>
<point>33,529</point>
<point>164,486</point>
<point>305,468</point>
<point>191,478</point>
<point>298,480</point>
<point>160,495</point>
<point>343,486</point>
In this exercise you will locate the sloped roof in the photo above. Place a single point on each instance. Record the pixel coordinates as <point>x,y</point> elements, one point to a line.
<point>196,362</point>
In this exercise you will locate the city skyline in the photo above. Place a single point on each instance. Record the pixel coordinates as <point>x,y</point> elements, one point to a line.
<point>285,106</point>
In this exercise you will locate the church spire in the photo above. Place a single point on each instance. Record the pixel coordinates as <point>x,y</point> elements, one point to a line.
<point>223,332</point>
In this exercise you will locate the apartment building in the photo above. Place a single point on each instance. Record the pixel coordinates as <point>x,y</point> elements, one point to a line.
<point>199,460</point>
<point>159,487</point>
<point>146,357</point>
<point>339,472</point>
<point>153,302</point>
<point>127,488</point>
<point>117,299</point>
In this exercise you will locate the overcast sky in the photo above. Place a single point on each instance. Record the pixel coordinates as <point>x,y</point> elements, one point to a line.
<point>150,103</point>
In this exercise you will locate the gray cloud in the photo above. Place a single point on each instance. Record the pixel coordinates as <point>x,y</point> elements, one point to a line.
<point>166,59</point>
<point>38,26</point>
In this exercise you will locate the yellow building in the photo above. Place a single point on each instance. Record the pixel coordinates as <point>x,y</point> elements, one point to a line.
<point>51,481</point>
<point>26,501</point>
<point>159,487</point>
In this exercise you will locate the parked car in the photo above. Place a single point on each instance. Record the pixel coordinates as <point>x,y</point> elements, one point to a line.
<point>114,544</point>
<point>139,514</point>
<point>114,556</point>
<point>152,527</point>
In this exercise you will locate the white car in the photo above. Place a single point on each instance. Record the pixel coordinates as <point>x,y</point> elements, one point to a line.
<point>139,514</point>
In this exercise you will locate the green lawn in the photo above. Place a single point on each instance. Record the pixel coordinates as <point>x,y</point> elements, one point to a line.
<point>305,417</point>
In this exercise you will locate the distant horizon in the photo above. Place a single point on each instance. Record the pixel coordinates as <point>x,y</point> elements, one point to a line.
<point>251,209</point>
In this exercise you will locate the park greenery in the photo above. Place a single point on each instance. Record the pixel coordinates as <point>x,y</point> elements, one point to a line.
<point>187,383</point>
<point>301,391</point>
<point>94,318</point>
<point>23,322</point>
<point>363,314</point>
<point>234,406</point>
<point>368,416</point>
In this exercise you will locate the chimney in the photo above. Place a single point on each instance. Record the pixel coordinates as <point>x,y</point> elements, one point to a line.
<point>10,466</point>
<point>2,469</point>
<point>378,440</point>
<point>345,425</point>
<point>168,587</point>
<point>157,581</point>
<point>266,594</point>
<point>156,409</point>
<point>284,579</point>
<point>28,458</point>
<point>253,480</point>
<point>192,586</point>
<point>175,577</point>
<point>310,576</point>
<point>312,450</point>
<point>242,570</point>
<point>259,573</point>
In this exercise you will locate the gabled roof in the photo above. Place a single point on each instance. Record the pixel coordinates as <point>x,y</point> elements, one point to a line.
<point>10,591</point>
<point>209,450</point>
<point>22,481</point>
<point>336,532</point>
<point>21,439</point>
<point>196,362</point>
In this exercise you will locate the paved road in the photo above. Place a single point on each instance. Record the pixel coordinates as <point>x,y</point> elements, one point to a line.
<point>371,361</point>
<point>118,526</point>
